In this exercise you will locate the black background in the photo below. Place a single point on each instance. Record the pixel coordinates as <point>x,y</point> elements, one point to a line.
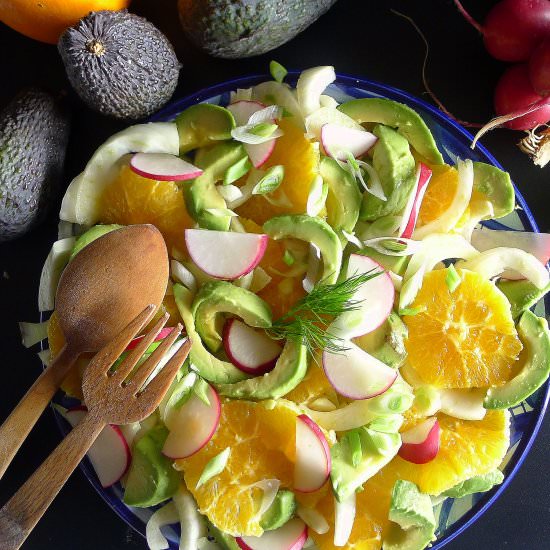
<point>360,37</point>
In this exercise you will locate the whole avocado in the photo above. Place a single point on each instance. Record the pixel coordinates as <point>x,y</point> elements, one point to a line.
<point>119,64</point>
<point>243,28</point>
<point>34,131</point>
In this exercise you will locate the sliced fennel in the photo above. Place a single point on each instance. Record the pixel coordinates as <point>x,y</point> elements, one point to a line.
<point>327,115</point>
<point>317,197</point>
<point>313,519</point>
<point>281,94</point>
<point>32,333</point>
<point>344,518</point>
<point>310,86</point>
<point>167,515</point>
<point>193,526</point>
<point>181,274</point>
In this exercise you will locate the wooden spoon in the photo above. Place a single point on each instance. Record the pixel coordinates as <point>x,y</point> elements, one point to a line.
<point>105,286</point>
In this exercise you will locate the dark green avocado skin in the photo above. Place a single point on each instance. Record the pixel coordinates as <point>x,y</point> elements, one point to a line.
<point>119,64</point>
<point>34,130</point>
<point>243,28</point>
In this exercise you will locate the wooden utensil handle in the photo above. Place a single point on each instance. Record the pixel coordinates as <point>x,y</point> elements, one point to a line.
<point>22,419</point>
<point>22,512</point>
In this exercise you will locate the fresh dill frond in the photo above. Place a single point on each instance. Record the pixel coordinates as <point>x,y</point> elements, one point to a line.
<point>308,320</point>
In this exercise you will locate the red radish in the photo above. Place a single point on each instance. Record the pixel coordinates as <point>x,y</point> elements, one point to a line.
<point>192,425</point>
<point>110,454</point>
<point>242,111</point>
<point>539,68</point>
<point>376,297</point>
<point>249,350</point>
<point>338,141</point>
<point>356,374</point>
<point>421,443</point>
<point>225,254</point>
<point>160,336</point>
<point>410,213</point>
<point>513,28</point>
<point>163,167</point>
<point>291,536</point>
<point>313,462</point>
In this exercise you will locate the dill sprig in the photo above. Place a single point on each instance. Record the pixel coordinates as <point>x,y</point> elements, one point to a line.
<point>308,320</point>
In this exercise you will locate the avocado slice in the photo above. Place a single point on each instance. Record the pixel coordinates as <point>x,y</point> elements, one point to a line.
<point>203,124</point>
<point>312,230</point>
<point>396,167</point>
<point>397,264</point>
<point>225,541</point>
<point>396,115</point>
<point>476,484</point>
<point>289,371</point>
<point>91,235</point>
<point>343,199</point>
<point>387,342</point>
<point>201,193</point>
<point>218,297</point>
<point>151,478</point>
<point>415,538</point>
<point>281,510</point>
<point>207,365</point>
<point>522,295</point>
<point>495,185</point>
<point>533,332</point>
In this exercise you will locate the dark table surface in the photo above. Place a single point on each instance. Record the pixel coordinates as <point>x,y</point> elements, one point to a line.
<point>360,37</point>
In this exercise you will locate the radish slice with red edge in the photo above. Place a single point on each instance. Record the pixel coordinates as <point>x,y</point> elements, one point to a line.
<point>163,167</point>
<point>410,213</point>
<point>291,536</point>
<point>110,454</point>
<point>225,254</point>
<point>313,462</point>
<point>191,426</point>
<point>357,375</point>
<point>160,336</point>
<point>248,349</point>
<point>421,443</point>
<point>242,110</point>
<point>338,141</point>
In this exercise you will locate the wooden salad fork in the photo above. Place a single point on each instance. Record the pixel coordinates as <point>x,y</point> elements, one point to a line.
<point>118,397</point>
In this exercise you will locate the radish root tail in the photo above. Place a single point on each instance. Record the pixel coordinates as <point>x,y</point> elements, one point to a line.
<point>537,145</point>
<point>468,17</point>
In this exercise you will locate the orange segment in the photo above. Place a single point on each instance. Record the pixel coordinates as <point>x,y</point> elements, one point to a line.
<point>262,443</point>
<point>464,339</point>
<point>300,159</point>
<point>132,199</point>
<point>315,385</point>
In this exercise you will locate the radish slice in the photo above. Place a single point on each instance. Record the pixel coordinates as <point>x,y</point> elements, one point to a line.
<point>376,297</point>
<point>410,214</point>
<point>225,254</point>
<point>249,350</point>
<point>243,110</point>
<point>163,167</point>
<point>494,262</point>
<point>328,115</point>
<point>311,84</point>
<point>338,141</point>
<point>421,443</point>
<point>344,518</point>
<point>313,462</point>
<point>110,455</point>
<point>291,536</point>
<point>357,375</point>
<point>160,336</point>
<point>259,154</point>
<point>192,425</point>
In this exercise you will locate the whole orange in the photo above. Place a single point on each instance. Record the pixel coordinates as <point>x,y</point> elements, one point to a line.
<point>45,20</point>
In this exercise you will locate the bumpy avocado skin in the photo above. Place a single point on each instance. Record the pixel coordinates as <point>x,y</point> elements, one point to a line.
<point>119,64</point>
<point>34,130</point>
<point>243,28</point>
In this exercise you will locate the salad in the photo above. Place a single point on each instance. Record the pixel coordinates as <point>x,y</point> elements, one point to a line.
<point>358,335</point>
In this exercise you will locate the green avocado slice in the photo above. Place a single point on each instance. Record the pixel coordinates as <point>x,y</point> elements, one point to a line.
<point>476,484</point>
<point>396,115</point>
<point>522,295</point>
<point>396,167</point>
<point>315,231</point>
<point>289,371</point>
<point>415,538</point>
<point>90,236</point>
<point>533,332</point>
<point>281,510</point>
<point>218,297</point>
<point>203,124</point>
<point>495,185</point>
<point>207,365</point>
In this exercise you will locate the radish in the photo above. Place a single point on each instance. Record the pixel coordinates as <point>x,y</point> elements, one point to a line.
<point>291,536</point>
<point>192,425</point>
<point>313,462</point>
<point>421,443</point>
<point>338,141</point>
<point>539,68</point>
<point>376,297</point>
<point>163,167</point>
<point>224,254</point>
<point>357,375</point>
<point>160,336</point>
<point>410,213</point>
<point>249,350</point>
<point>243,110</point>
<point>513,28</point>
<point>110,454</point>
